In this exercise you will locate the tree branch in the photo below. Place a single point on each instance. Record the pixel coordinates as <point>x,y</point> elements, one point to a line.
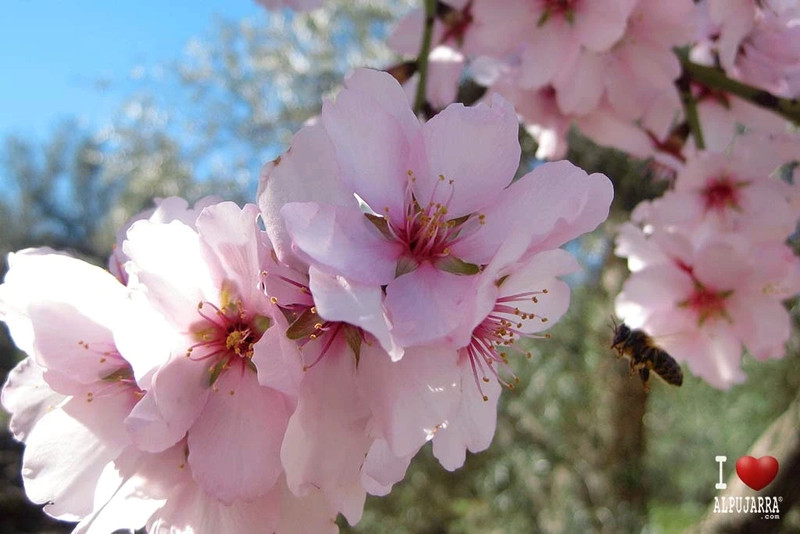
<point>690,108</point>
<point>716,79</point>
<point>424,52</point>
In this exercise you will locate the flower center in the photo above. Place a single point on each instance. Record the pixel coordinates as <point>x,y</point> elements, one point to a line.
<point>306,326</point>
<point>497,333</point>
<point>707,304</point>
<point>563,8</point>
<point>225,337</point>
<point>427,233</point>
<point>721,194</point>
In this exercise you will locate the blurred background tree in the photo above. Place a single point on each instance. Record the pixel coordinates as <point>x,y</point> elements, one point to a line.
<point>580,447</point>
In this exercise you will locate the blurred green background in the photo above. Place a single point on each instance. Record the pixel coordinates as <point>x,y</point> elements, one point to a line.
<point>579,446</point>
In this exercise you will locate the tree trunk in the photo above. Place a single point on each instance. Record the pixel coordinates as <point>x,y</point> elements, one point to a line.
<point>626,452</point>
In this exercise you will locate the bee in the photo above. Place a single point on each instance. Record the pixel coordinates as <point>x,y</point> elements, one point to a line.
<point>645,355</point>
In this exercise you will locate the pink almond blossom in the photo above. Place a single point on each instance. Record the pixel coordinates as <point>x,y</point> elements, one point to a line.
<point>734,192</point>
<point>705,302</point>
<point>413,234</point>
<point>759,42</point>
<point>204,280</point>
<point>429,215</point>
<point>62,312</point>
<point>69,401</point>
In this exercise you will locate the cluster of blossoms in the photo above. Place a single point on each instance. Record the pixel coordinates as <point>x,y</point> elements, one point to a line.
<point>754,41</point>
<point>261,369</point>
<point>710,264</point>
<point>709,258</point>
<point>610,68</point>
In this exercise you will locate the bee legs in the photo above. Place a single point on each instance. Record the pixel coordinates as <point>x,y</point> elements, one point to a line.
<point>644,374</point>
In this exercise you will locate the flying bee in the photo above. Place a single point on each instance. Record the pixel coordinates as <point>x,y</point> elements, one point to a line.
<point>645,356</point>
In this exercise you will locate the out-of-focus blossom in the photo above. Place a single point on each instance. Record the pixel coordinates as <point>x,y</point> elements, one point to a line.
<point>734,192</point>
<point>538,111</point>
<point>705,302</point>
<point>445,66</point>
<point>759,42</point>
<point>710,267</point>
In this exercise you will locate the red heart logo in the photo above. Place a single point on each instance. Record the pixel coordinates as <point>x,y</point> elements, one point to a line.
<point>757,473</point>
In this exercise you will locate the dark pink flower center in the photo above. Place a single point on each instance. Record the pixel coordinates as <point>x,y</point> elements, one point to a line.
<point>706,303</point>
<point>721,194</point>
<point>225,337</point>
<point>497,334</point>
<point>560,8</point>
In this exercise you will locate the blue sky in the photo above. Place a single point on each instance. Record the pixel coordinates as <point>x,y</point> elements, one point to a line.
<point>53,53</point>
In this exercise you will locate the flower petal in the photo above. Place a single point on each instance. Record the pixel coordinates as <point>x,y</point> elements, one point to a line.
<point>307,172</point>
<point>67,451</point>
<point>540,273</point>
<point>762,324</point>
<point>168,260</point>
<point>471,155</point>
<point>342,241</point>
<point>553,204</point>
<point>279,363</point>
<point>190,509</point>
<point>27,397</point>
<point>373,129</point>
<point>427,305</point>
<point>473,425</point>
<point>598,25</point>
<point>579,88</point>
<point>382,469</point>
<point>179,394</point>
<point>326,439</point>
<point>410,398</point>
<point>311,513</point>
<point>232,241</point>
<point>234,445</point>
<point>338,299</point>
